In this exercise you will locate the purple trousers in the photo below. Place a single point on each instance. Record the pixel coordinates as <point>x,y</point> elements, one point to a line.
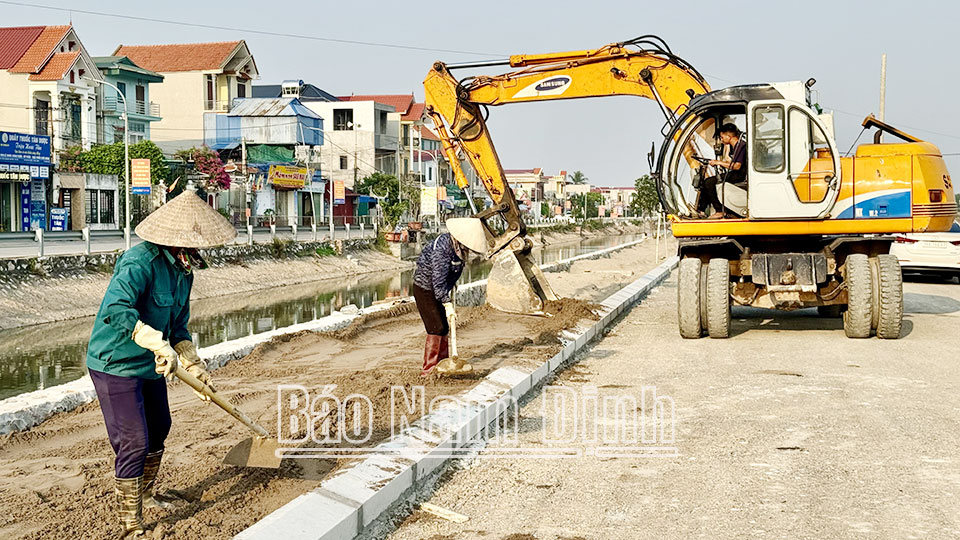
<point>137,416</point>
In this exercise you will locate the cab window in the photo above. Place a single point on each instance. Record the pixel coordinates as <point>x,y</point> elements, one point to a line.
<point>768,139</point>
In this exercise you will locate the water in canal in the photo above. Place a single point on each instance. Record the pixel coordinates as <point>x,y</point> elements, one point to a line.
<point>41,356</point>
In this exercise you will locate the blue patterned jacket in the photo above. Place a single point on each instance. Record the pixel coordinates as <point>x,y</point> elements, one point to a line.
<point>438,268</point>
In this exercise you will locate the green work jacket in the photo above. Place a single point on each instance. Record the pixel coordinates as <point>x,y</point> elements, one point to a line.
<point>147,285</point>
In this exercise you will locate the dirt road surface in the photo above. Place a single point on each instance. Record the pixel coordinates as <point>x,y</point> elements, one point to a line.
<point>56,479</point>
<point>786,430</point>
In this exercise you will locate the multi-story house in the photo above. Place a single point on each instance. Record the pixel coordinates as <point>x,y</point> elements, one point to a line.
<point>616,200</point>
<point>360,138</point>
<point>198,78</point>
<point>133,82</point>
<point>48,82</point>
<point>527,185</point>
<point>274,144</point>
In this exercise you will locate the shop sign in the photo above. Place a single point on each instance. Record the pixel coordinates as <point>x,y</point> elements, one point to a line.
<point>139,176</point>
<point>339,192</point>
<point>26,153</point>
<point>58,219</point>
<point>288,177</point>
<point>428,200</point>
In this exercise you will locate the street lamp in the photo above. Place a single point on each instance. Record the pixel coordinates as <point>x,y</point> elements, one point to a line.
<point>126,163</point>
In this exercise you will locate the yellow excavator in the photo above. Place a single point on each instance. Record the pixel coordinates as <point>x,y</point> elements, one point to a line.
<point>807,228</point>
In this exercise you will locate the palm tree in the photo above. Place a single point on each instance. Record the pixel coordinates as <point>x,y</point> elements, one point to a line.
<point>578,177</point>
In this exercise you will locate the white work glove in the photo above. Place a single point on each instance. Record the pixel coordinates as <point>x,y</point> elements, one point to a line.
<point>192,364</point>
<point>151,339</point>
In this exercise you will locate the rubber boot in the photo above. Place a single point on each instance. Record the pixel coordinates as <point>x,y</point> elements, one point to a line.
<point>151,466</point>
<point>431,354</point>
<point>444,347</point>
<point>131,506</point>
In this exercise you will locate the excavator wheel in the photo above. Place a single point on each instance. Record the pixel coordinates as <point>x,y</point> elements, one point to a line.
<point>718,298</point>
<point>858,317</point>
<point>890,298</point>
<point>689,298</point>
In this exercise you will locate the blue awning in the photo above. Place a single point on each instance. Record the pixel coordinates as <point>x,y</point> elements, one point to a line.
<point>366,199</point>
<point>230,145</point>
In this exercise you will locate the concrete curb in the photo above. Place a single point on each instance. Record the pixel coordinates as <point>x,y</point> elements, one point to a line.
<point>24,411</point>
<point>345,504</point>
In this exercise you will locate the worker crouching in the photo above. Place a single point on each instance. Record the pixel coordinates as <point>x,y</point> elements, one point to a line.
<point>438,269</point>
<point>146,309</point>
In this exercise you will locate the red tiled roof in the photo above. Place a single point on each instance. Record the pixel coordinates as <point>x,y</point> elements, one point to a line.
<point>427,133</point>
<point>14,42</point>
<point>179,56</point>
<point>400,102</point>
<point>414,114</point>
<point>57,67</point>
<point>40,50</point>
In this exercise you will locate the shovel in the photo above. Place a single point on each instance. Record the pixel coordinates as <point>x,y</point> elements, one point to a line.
<point>259,451</point>
<point>517,285</point>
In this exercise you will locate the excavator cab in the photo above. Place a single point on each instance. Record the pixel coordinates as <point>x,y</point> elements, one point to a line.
<point>793,166</point>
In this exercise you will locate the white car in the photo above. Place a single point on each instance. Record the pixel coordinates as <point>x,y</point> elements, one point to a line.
<point>930,253</point>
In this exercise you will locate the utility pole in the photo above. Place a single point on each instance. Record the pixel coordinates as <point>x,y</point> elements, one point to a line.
<point>883,85</point>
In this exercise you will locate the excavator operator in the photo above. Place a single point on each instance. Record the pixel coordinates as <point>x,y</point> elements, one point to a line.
<point>736,170</point>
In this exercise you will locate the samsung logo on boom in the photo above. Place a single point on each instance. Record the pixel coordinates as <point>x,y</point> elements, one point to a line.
<point>552,84</point>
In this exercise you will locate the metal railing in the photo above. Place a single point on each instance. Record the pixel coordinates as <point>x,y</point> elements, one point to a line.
<point>217,105</point>
<point>137,107</point>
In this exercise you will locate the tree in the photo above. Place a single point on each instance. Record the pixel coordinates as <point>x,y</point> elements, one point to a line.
<point>206,163</point>
<point>386,189</point>
<point>108,159</point>
<point>578,177</point>
<point>645,200</point>
<point>594,200</point>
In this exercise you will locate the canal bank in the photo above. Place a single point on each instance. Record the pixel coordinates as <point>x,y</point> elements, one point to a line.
<point>41,356</point>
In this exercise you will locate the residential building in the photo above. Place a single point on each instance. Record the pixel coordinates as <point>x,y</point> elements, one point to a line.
<point>276,142</point>
<point>198,78</point>
<point>298,89</point>
<point>48,82</point>
<point>553,187</point>
<point>360,138</point>
<point>616,200</point>
<point>527,185</point>
<point>133,82</point>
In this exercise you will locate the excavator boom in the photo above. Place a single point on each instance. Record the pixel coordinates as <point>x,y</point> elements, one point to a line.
<point>642,67</point>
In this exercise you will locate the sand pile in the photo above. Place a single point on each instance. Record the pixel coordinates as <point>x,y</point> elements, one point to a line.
<point>56,480</point>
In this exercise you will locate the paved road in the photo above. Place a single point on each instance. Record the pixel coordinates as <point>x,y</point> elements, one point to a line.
<point>786,430</point>
<point>27,247</point>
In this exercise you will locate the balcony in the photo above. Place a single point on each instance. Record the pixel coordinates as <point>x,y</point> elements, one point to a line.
<point>217,105</point>
<point>114,105</point>
<point>382,141</point>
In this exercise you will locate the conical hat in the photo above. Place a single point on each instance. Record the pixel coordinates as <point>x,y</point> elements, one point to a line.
<point>469,232</point>
<point>186,221</point>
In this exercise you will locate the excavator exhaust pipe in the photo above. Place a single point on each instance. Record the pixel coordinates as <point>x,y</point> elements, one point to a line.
<point>517,285</point>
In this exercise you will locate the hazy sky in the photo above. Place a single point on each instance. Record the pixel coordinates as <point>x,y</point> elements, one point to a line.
<point>839,43</point>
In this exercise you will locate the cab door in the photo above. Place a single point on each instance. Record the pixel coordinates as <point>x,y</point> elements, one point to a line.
<point>794,166</point>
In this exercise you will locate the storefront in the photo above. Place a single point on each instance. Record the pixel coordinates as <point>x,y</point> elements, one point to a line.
<point>24,175</point>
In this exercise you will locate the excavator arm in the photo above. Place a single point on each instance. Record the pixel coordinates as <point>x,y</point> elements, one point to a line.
<point>642,67</point>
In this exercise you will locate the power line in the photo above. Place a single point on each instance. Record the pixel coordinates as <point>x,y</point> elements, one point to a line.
<point>248,30</point>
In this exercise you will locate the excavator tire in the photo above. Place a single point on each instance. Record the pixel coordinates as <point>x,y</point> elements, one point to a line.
<point>890,302</point>
<point>859,314</point>
<point>718,298</point>
<point>688,298</point>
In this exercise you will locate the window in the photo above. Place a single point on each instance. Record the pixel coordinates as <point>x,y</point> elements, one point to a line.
<point>90,205</point>
<point>73,77</point>
<point>73,127</point>
<point>210,94</point>
<point>406,135</point>
<point>768,140</point>
<point>241,89</point>
<point>106,206</point>
<point>343,162</point>
<point>342,119</point>
<point>41,116</point>
<point>123,88</point>
<point>141,92</point>
<point>809,157</point>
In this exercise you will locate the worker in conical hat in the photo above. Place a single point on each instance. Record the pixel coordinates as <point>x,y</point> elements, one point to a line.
<point>438,268</point>
<point>144,311</point>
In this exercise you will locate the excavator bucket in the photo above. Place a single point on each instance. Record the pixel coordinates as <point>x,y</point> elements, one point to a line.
<point>517,285</point>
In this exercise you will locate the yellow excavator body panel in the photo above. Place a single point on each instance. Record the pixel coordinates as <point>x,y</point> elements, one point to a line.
<point>885,189</point>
